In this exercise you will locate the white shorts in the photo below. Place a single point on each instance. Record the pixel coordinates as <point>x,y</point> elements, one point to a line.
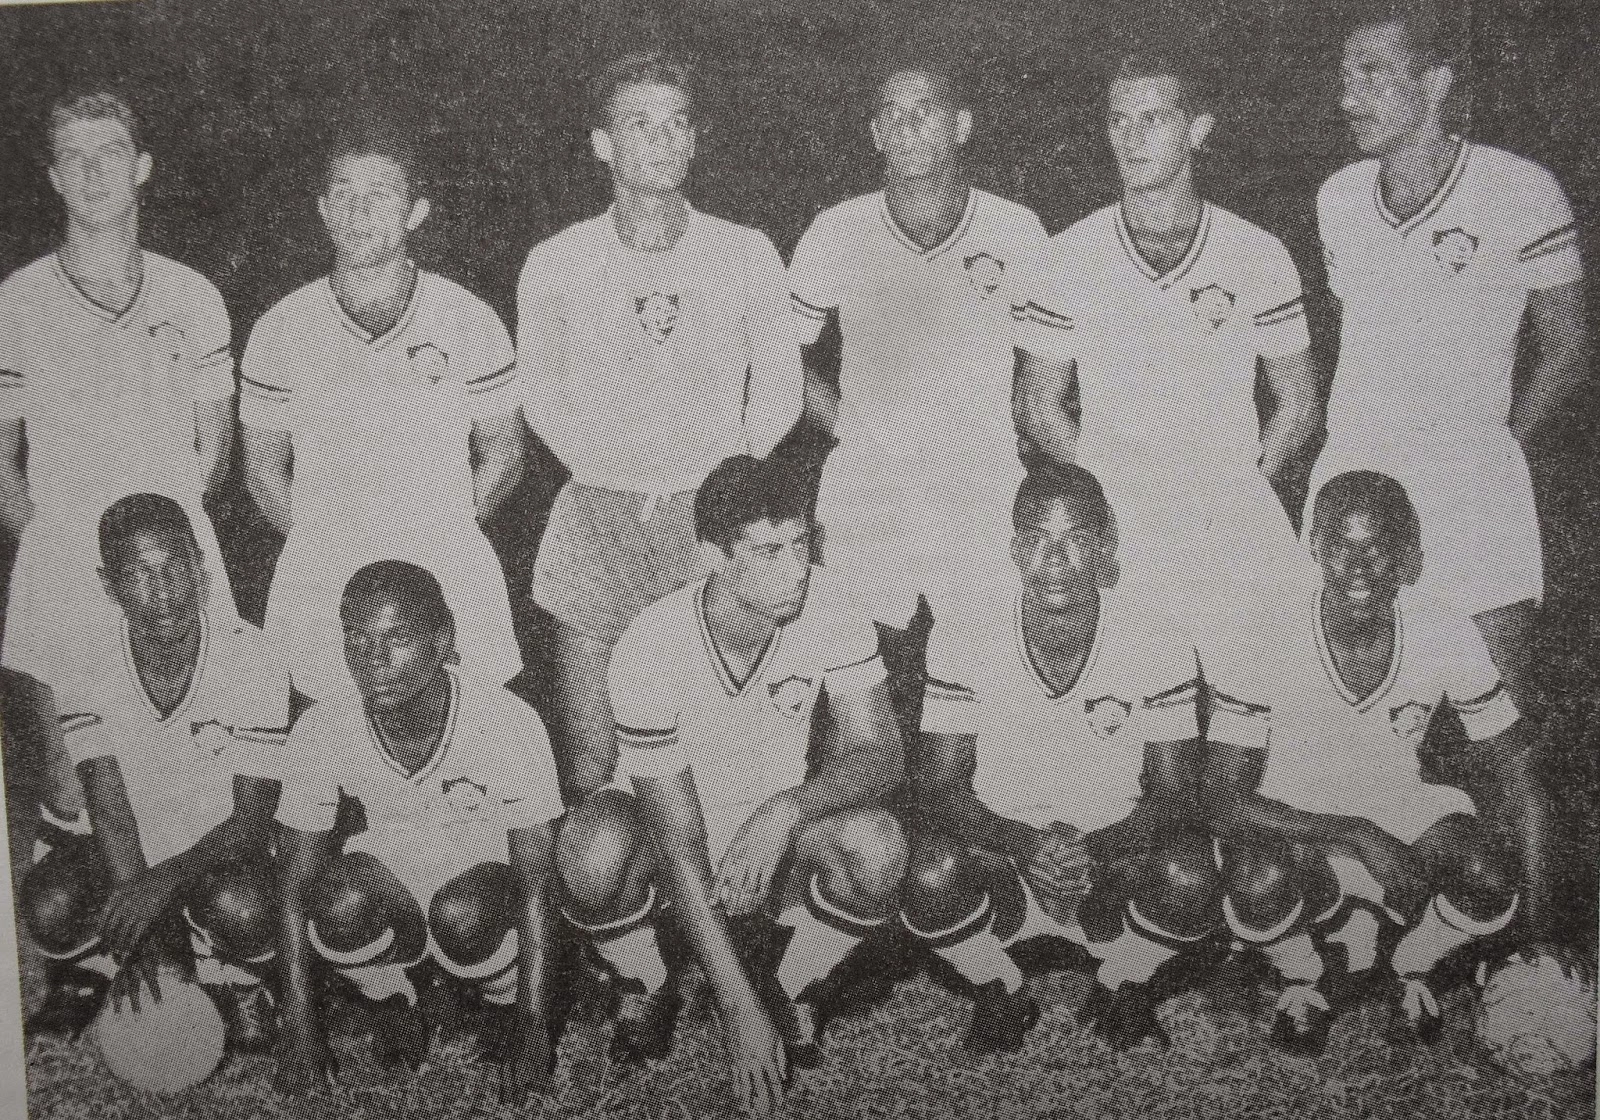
<point>1480,526</point>
<point>424,861</point>
<point>896,529</point>
<point>56,593</point>
<point>303,605</point>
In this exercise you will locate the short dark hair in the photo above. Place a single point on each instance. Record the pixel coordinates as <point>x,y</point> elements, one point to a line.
<point>946,75</point>
<point>92,105</point>
<point>407,585</point>
<point>1367,492</point>
<point>142,513</point>
<point>652,68</point>
<point>365,134</point>
<point>1194,94</point>
<point>743,490</point>
<point>1068,482</point>
<point>1430,30</point>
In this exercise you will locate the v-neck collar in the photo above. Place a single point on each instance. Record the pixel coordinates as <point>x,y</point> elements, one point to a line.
<point>730,683</point>
<point>189,693</point>
<point>1025,655</point>
<point>378,341</point>
<point>1325,655</point>
<point>87,302</point>
<point>910,243</point>
<point>1436,200</point>
<point>1197,245</point>
<point>441,748</point>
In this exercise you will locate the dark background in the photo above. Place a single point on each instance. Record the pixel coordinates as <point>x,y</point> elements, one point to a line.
<point>235,95</point>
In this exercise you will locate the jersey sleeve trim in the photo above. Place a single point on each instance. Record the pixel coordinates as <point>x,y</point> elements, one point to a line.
<point>492,381</point>
<point>1292,309</point>
<point>857,676</point>
<point>1186,693</point>
<point>73,722</point>
<point>1552,242</point>
<point>220,354</point>
<point>1031,312</point>
<point>948,708</point>
<point>649,754</point>
<point>1238,722</point>
<point>809,310</point>
<point>272,394</point>
<point>947,690</point>
<point>262,736</point>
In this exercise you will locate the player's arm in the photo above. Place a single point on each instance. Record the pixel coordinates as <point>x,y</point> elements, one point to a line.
<point>941,785</point>
<point>821,364</point>
<point>1560,338</point>
<point>670,807</point>
<point>862,760</point>
<point>775,394</point>
<point>532,857</point>
<point>304,1059</point>
<point>499,452</point>
<point>1297,417</point>
<point>268,472</point>
<point>1045,405</point>
<point>1170,781</point>
<point>213,440</point>
<point>16,507</point>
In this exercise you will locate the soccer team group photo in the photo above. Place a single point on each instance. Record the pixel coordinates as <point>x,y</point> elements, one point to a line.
<point>964,663</point>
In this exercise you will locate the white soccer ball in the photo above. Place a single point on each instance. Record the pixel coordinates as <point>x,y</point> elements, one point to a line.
<point>1533,1018</point>
<point>169,1044</point>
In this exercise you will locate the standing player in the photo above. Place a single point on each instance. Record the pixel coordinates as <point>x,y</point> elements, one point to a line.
<point>455,779</point>
<point>920,278</point>
<point>1342,829</point>
<point>1155,315</point>
<point>655,340</point>
<point>1438,249</point>
<point>715,688</point>
<point>175,717</point>
<point>115,371</point>
<point>1055,694</point>
<point>381,419</point>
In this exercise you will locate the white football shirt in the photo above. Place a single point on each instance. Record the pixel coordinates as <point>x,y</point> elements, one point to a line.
<point>1075,756</point>
<point>179,768</point>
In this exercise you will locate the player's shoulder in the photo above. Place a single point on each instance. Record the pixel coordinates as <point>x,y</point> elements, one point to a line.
<point>455,302</point>
<point>291,312</point>
<point>1003,212</point>
<point>971,622</point>
<point>831,611</point>
<point>659,633</point>
<point>1505,179</point>
<point>1145,634</point>
<point>1091,229</point>
<point>848,216</point>
<point>333,722</point>
<point>1240,234</point>
<point>721,238</point>
<point>177,278</point>
<point>1351,185</point>
<point>28,286</point>
<point>574,243</point>
<point>1434,627</point>
<point>495,705</point>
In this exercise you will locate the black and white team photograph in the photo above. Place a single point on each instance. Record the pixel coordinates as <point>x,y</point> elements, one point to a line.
<point>682,559</point>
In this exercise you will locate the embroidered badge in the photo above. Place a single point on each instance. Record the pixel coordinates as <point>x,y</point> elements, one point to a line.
<point>658,314</point>
<point>1213,305</point>
<point>985,273</point>
<point>1454,248</point>
<point>465,795</point>
<point>790,695</point>
<point>429,362</point>
<point>1410,720</point>
<point>1106,715</point>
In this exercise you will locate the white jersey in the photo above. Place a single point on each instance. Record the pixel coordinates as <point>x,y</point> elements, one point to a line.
<point>380,424</point>
<point>1330,751</point>
<point>1075,756</point>
<point>179,768</point>
<point>1432,305</point>
<point>678,707</point>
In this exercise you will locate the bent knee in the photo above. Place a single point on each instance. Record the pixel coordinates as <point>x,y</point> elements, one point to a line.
<point>236,908</point>
<point>1483,883</point>
<point>1180,887</point>
<point>358,901</point>
<point>1263,887</point>
<point>598,847</point>
<point>60,908</point>
<point>873,847</point>
<point>470,915</point>
<point>943,883</point>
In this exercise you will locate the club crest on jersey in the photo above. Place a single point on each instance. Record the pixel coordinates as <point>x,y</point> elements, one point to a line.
<point>1213,305</point>
<point>985,273</point>
<point>465,795</point>
<point>170,339</point>
<point>1454,248</point>
<point>1106,715</point>
<point>1409,720</point>
<point>211,734</point>
<point>658,314</point>
<point>429,362</point>
<point>789,695</point>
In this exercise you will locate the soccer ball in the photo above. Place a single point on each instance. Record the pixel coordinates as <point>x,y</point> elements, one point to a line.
<point>168,1044</point>
<point>1535,1019</point>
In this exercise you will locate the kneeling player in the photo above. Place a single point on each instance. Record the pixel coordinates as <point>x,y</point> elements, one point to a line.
<point>175,720</point>
<point>1055,695</point>
<point>458,788</point>
<point>1334,830</point>
<point>715,688</point>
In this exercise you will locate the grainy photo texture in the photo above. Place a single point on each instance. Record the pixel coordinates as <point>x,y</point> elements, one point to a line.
<point>846,559</point>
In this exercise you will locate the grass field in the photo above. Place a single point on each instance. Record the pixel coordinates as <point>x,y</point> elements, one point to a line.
<point>900,1058</point>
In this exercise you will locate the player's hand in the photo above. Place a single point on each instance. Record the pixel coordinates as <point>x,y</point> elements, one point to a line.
<point>747,869</point>
<point>1061,872</point>
<point>135,906</point>
<point>528,1063</point>
<point>759,1061</point>
<point>143,967</point>
<point>1405,890</point>
<point>304,1067</point>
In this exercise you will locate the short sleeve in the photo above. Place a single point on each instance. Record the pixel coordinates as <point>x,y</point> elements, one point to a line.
<point>853,662</point>
<point>260,719</point>
<point>1549,256</point>
<point>266,377</point>
<point>1327,230</point>
<point>1041,313</point>
<point>13,355</point>
<point>1238,690</point>
<point>815,276</point>
<point>86,731</point>
<point>1280,323</point>
<point>645,704</point>
<point>1471,682</point>
<point>211,347</point>
<point>540,345</point>
<point>489,364</point>
<point>532,792</point>
<point>775,388</point>
<point>949,691</point>
<point>310,798</point>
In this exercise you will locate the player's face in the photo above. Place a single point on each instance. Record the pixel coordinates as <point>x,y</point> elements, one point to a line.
<point>391,654</point>
<point>1384,92</point>
<point>1062,555</point>
<point>368,210</point>
<point>649,138</point>
<point>769,568</point>
<point>1362,560</point>
<point>157,580</point>
<point>97,170</point>
<point>916,127</point>
<point>1152,137</point>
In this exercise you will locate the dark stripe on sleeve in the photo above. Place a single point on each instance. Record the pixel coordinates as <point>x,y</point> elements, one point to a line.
<point>1538,242</point>
<point>1292,304</point>
<point>263,386</point>
<point>491,376</point>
